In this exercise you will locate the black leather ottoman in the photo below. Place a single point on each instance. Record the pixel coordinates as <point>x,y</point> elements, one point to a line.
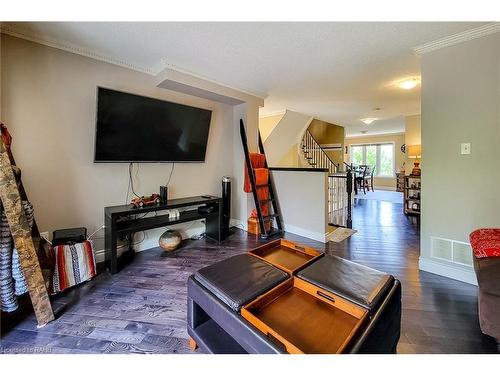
<point>216,294</point>
<point>239,279</point>
<point>368,288</point>
<point>357,283</point>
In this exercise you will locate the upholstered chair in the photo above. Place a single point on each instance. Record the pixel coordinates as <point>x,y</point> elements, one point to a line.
<point>486,246</point>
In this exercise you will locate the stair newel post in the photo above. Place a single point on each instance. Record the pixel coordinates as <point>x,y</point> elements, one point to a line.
<point>349,201</point>
<point>317,152</point>
<point>308,140</point>
<point>310,144</point>
<point>309,149</point>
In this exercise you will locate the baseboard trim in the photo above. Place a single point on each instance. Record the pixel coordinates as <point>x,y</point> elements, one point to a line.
<point>239,223</point>
<point>288,228</point>
<point>152,242</point>
<point>447,270</point>
<point>317,236</point>
<point>149,243</point>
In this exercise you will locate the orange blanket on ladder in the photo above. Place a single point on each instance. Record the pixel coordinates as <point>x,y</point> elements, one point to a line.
<point>261,178</point>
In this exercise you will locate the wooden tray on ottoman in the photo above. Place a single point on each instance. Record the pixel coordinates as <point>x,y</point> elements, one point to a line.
<point>286,255</point>
<point>304,318</point>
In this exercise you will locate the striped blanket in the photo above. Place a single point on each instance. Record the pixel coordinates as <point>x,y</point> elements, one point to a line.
<point>74,264</point>
<point>12,281</point>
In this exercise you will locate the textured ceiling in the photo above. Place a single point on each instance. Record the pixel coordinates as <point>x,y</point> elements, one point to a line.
<point>337,72</point>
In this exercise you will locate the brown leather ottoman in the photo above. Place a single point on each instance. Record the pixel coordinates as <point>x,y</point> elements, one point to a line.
<point>488,278</point>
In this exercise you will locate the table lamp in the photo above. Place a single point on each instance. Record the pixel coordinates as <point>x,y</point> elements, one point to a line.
<point>415,152</point>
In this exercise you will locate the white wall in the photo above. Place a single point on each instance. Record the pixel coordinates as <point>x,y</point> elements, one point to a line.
<point>281,144</point>
<point>460,103</point>
<point>303,198</point>
<point>48,103</point>
<point>267,125</point>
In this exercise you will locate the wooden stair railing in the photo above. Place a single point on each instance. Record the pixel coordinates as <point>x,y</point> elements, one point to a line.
<point>263,219</point>
<point>315,155</point>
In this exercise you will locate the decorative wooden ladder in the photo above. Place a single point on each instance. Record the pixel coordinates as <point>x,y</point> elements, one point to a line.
<point>12,195</point>
<point>264,233</point>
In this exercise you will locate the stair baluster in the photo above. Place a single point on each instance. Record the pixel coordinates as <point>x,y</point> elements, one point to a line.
<point>340,183</point>
<point>315,155</point>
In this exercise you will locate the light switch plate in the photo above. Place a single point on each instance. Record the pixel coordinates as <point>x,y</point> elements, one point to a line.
<point>465,148</point>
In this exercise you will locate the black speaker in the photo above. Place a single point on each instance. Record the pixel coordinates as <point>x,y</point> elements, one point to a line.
<point>163,194</point>
<point>226,205</point>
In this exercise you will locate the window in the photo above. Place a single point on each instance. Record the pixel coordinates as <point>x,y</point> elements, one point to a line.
<point>379,156</point>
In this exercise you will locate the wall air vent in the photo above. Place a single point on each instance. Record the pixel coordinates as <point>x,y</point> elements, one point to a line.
<point>452,251</point>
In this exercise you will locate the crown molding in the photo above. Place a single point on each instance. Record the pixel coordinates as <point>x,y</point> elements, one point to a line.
<point>154,70</point>
<point>72,48</point>
<point>478,32</point>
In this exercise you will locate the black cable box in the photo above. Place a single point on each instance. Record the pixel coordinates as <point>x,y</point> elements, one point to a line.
<point>69,236</point>
<point>206,209</point>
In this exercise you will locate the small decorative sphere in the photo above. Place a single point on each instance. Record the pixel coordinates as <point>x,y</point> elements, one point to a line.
<point>170,240</point>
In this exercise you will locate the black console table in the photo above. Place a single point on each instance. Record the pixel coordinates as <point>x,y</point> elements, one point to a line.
<point>121,220</point>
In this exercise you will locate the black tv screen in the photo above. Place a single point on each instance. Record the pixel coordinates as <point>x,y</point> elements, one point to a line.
<point>133,128</point>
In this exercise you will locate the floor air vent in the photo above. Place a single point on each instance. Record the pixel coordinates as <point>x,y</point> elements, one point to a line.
<point>451,251</point>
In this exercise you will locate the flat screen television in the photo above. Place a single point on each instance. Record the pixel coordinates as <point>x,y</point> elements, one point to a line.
<point>134,128</point>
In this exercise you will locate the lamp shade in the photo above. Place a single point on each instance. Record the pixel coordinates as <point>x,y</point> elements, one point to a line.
<point>415,151</point>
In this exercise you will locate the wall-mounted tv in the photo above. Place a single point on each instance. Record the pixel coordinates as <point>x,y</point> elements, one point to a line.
<point>133,128</point>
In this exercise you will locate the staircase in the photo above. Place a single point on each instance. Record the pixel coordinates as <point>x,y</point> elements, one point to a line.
<point>340,183</point>
<point>315,155</point>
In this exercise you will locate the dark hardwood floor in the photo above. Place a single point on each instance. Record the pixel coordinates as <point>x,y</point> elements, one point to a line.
<point>439,314</point>
<point>142,309</point>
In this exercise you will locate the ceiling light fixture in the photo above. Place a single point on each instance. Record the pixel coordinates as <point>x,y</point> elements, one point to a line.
<point>368,121</point>
<point>408,84</point>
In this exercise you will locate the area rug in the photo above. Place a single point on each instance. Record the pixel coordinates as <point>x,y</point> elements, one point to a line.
<point>341,234</point>
<point>382,195</point>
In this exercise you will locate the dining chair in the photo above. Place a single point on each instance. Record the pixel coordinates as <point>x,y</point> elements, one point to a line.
<point>370,179</point>
<point>367,171</point>
<point>359,177</point>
